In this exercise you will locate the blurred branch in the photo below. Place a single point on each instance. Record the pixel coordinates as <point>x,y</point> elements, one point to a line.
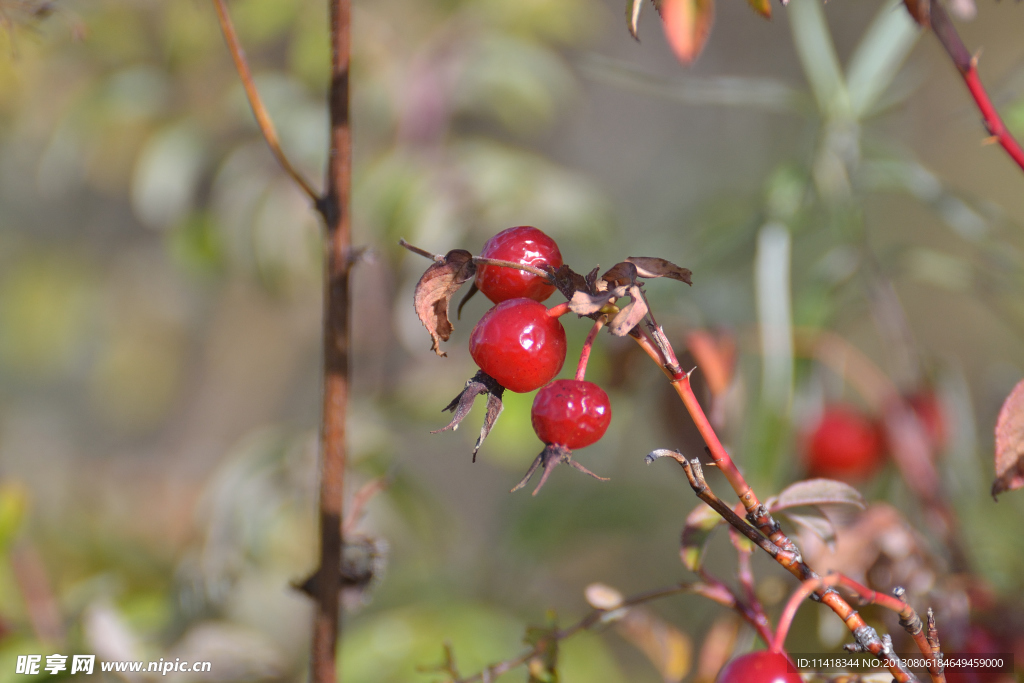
<point>596,617</point>
<point>967,65</point>
<point>263,119</point>
<point>40,602</point>
<point>760,93</point>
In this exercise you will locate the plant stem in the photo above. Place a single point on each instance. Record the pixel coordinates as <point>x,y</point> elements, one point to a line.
<point>581,368</point>
<point>263,119</point>
<point>335,209</point>
<point>967,65</point>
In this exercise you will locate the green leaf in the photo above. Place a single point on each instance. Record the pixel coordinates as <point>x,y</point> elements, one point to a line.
<point>879,55</point>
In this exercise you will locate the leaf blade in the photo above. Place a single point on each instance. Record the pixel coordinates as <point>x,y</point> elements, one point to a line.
<point>1009,455</point>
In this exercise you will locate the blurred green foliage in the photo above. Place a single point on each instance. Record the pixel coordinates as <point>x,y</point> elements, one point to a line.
<point>159,308</point>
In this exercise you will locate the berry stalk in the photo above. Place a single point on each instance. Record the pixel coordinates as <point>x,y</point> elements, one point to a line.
<point>581,369</point>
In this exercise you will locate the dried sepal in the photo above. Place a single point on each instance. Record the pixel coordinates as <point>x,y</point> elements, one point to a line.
<point>549,458</point>
<point>434,293</point>
<point>1009,459</point>
<point>568,282</point>
<point>633,8</point>
<point>480,383</point>
<point>584,303</point>
<point>652,267</point>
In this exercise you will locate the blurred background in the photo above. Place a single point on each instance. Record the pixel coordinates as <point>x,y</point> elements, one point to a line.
<point>849,237</point>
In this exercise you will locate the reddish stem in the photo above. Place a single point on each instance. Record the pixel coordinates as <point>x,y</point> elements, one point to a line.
<point>559,310</point>
<point>967,66</point>
<point>581,369</point>
<point>799,595</point>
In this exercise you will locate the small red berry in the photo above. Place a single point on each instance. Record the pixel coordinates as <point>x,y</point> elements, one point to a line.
<point>519,344</point>
<point>523,244</point>
<point>845,445</point>
<point>571,413</point>
<point>759,667</point>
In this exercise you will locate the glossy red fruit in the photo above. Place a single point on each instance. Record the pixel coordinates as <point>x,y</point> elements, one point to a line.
<point>571,413</point>
<point>759,667</point>
<point>845,445</point>
<point>519,344</point>
<point>523,244</point>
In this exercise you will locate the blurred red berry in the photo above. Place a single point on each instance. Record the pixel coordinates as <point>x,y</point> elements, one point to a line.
<point>928,408</point>
<point>525,245</point>
<point>759,667</point>
<point>571,413</point>
<point>845,445</point>
<point>519,344</point>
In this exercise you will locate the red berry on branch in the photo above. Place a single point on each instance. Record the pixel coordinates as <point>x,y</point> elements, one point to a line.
<point>525,245</point>
<point>759,667</point>
<point>519,344</point>
<point>571,413</point>
<point>845,445</point>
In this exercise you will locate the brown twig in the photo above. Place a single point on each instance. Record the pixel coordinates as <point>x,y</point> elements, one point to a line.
<point>335,209</point>
<point>263,119</point>
<point>789,557</point>
<point>967,65</point>
<point>593,618</point>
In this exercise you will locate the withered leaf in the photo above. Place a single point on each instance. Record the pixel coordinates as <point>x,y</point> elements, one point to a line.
<point>623,273</point>
<point>652,266</point>
<point>480,383</point>
<point>701,521</point>
<point>583,303</point>
<point>718,646</point>
<point>1010,443</point>
<point>687,26</point>
<point>434,293</point>
<point>668,648</point>
<point>630,316</point>
<point>569,282</point>
<point>816,492</point>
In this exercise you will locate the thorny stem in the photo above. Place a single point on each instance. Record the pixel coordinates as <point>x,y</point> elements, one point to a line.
<point>581,369</point>
<point>594,618</point>
<point>789,557</point>
<point>263,119</point>
<point>967,65</point>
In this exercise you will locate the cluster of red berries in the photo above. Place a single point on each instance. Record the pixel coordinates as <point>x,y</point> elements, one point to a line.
<point>848,445</point>
<point>521,344</point>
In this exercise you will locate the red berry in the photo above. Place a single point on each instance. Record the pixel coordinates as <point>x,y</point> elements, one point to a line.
<point>759,667</point>
<point>845,445</point>
<point>519,344</point>
<point>571,413</point>
<point>526,245</point>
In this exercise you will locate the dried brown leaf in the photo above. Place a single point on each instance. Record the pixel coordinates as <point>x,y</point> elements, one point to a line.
<point>568,282</point>
<point>1010,443</point>
<point>687,26</point>
<point>623,273</point>
<point>652,266</point>
<point>668,648</point>
<point>434,293</point>
<point>583,303</point>
<point>630,316</point>
<point>816,492</point>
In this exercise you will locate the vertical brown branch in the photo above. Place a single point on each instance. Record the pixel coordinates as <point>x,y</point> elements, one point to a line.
<point>335,209</point>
